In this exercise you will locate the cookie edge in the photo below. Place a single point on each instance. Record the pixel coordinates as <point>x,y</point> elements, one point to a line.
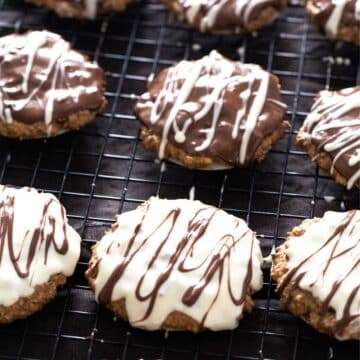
<point>300,302</point>
<point>26,306</point>
<point>322,158</point>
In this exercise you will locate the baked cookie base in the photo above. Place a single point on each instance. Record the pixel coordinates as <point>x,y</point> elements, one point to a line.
<point>301,302</point>
<point>73,9</point>
<point>152,142</point>
<point>38,130</point>
<point>27,306</point>
<point>174,321</point>
<point>322,159</point>
<point>344,32</point>
<point>263,17</point>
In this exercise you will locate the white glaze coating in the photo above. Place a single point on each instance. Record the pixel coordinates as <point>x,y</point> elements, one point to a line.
<point>328,113</point>
<point>163,229</point>
<point>332,24</point>
<point>335,261</point>
<point>28,224</point>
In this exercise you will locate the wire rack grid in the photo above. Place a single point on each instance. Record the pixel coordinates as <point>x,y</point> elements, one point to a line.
<point>103,170</point>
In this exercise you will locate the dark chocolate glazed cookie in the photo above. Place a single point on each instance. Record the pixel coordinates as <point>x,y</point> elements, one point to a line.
<point>338,19</point>
<point>226,15</point>
<point>212,113</point>
<point>331,134</point>
<point>82,8</point>
<point>46,87</point>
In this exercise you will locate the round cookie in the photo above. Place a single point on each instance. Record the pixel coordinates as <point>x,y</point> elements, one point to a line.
<point>83,9</point>
<point>235,16</point>
<point>338,19</point>
<point>38,250</point>
<point>331,134</point>
<point>317,271</point>
<point>212,113</point>
<point>46,88</point>
<point>177,264</point>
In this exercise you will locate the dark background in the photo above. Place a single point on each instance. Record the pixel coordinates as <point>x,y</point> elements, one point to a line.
<point>103,169</point>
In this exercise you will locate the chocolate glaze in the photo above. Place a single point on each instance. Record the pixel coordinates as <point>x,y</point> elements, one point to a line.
<point>205,123</point>
<point>325,9</point>
<point>334,122</point>
<point>80,9</point>
<point>295,274</point>
<point>43,80</point>
<point>228,15</point>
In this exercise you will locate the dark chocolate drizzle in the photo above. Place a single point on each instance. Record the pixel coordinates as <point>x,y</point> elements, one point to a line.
<point>218,261</point>
<point>40,238</point>
<point>295,274</point>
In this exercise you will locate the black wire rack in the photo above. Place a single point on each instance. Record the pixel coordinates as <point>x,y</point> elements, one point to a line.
<point>103,170</point>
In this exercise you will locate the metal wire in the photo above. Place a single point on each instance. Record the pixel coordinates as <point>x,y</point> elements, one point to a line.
<point>103,169</point>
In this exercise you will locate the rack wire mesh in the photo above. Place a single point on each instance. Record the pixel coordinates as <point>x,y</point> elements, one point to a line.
<point>103,170</point>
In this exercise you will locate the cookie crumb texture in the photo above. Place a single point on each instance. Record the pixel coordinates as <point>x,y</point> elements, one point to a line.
<point>38,250</point>
<point>338,19</point>
<point>331,134</point>
<point>212,112</point>
<point>236,16</point>
<point>317,271</point>
<point>46,88</point>
<point>177,264</point>
<point>82,9</point>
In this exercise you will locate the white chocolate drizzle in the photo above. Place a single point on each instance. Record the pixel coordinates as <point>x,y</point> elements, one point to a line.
<point>39,69</point>
<point>332,24</point>
<point>36,242</point>
<point>211,11</point>
<point>215,74</point>
<point>91,8</point>
<point>330,115</point>
<point>178,255</point>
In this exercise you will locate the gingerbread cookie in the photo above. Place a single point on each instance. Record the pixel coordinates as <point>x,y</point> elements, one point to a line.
<point>212,112</point>
<point>46,88</point>
<point>317,271</point>
<point>83,9</point>
<point>338,19</point>
<point>331,134</point>
<point>177,264</point>
<point>38,250</point>
<point>226,16</point>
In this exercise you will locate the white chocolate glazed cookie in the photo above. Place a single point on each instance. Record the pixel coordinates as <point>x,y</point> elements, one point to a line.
<point>36,244</point>
<point>171,263</point>
<point>318,273</point>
